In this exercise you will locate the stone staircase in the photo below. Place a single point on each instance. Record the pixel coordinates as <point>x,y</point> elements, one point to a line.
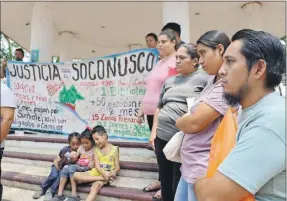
<point>27,161</point>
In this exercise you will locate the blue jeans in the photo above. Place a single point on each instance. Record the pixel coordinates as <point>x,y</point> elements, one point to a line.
<point>69,170</point>
<point>185,191</point>
<point>52,181</point>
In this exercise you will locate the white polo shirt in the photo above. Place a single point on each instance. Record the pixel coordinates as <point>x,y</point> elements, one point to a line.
<point>7,100</point>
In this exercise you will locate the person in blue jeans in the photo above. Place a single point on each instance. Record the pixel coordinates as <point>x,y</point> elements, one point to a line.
<point>50,186</point>
<point>257,163</point>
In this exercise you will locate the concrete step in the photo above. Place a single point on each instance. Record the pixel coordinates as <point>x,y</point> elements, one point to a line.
<point>27,161</point>
<point>40,137</point>
<point>121,181</point>
<point>32,182</point>
<point>18,191</point>
<point>126,171</point>
<point>17,194</point>
<point>126,165</point>
<point>126,153</point>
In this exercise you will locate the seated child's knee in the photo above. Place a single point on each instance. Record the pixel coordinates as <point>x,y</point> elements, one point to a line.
<point>65,171</point>
<point>76,176</point>
<point>97,186</point>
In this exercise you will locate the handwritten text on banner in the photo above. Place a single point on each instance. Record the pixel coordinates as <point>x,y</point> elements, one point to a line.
<point>68,97</point>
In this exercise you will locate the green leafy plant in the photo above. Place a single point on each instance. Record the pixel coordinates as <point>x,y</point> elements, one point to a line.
<point>70,96</point>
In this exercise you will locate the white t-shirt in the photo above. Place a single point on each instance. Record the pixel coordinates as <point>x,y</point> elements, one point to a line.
<point>7,100</point>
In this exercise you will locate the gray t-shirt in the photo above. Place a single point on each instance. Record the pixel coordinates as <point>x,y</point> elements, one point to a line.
<point>257,162</point>
<point>172,102</point>
<point>7,100</point>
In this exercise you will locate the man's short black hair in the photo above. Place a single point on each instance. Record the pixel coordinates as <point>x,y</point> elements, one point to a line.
<point>152,35</point>
<point>261,45</point>
<point>20,50</point>
<point>173,26</point>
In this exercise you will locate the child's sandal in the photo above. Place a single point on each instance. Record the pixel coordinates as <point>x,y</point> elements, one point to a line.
<point>74,198</point>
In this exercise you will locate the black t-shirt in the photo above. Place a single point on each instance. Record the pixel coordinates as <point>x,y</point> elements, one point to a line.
<point>64,160</point>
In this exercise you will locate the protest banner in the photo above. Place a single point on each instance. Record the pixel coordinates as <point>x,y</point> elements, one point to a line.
<point>69,97</point>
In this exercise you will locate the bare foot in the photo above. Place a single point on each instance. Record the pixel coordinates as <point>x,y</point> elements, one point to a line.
<point>157,196</point>
<point>154,186</point>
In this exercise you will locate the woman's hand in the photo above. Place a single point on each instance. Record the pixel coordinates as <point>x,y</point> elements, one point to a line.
<point>152,139</point>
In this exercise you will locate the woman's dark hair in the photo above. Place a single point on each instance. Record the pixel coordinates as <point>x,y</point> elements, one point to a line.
<point>152,35</point>
<point>75,134</point>
<point>191,51</point>
<point>100,130</point>
<point>213,38</point>
<point>87,134</point>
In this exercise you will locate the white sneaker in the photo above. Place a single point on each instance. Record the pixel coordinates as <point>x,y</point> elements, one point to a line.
<point>38,193</point>
<point>48,195</point>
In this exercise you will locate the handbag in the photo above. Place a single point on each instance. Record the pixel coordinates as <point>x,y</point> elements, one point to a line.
<point>172,148</point>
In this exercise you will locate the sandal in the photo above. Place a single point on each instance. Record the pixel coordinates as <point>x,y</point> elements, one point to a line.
<point>74,198</point>
<point>150,188</point>
<point>58,198</point>
<point>157,196</point>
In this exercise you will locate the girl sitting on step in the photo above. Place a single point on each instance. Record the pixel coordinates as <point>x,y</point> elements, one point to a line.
<point>107,164</point>
<point>85,163</point>
<point>65,157</point>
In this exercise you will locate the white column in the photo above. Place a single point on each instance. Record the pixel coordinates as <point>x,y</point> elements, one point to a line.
<point>42,30</point>
<point>254,11</point>
<point>178,12</point>
<point>66,40</point>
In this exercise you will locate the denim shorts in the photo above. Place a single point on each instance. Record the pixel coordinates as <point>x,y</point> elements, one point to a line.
<point>69,170</point>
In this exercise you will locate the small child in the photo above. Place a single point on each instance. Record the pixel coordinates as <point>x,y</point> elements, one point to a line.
<point>107,164</point>
<point>85,163</point>
<point>51,184</point>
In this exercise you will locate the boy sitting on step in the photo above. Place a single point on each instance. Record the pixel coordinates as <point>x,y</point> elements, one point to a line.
<point>67,155</point>
<point>107,164</point>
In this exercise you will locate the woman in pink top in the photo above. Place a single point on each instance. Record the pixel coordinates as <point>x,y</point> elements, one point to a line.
<point>205,115</point>
<point>164,69</point>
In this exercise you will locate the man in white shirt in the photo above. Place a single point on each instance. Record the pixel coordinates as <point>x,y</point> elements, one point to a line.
<point>8,104</point>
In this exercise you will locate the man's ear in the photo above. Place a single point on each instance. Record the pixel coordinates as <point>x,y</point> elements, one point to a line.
<point>259,69</point>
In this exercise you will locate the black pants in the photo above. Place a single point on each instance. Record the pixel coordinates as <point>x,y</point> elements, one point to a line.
<point>1,187</point>
<point>150,123</point>
<point>169,172</point>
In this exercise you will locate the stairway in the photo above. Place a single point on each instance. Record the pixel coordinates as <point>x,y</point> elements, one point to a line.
<point>27,161</point>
